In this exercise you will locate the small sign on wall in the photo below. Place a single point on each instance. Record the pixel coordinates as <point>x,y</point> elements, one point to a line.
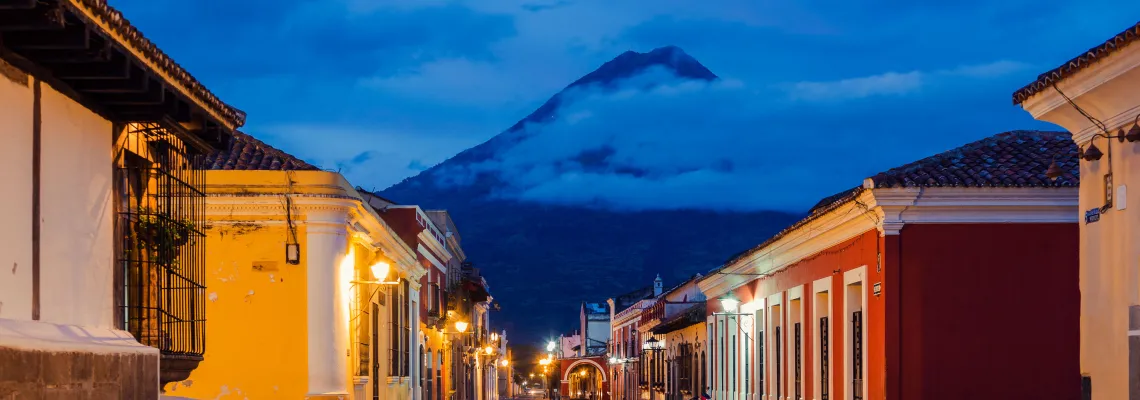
<point>1092,215</point>
<point>877,288</point>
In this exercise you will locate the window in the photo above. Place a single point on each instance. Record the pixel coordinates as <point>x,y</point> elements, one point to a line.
<point>439,378</point>
<point>779,346</point>
<point>799,359</point>
<point>760,361</point>
<point>857,354</point>
<point>427,366</point>
<point>400,330</point>
<point>824,370</point>
<point>160,253</point>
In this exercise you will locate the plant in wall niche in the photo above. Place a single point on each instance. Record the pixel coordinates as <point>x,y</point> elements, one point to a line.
<point>162,236</point>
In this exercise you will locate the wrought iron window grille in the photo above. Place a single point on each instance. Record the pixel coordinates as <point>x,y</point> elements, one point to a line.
<point>160,245</point>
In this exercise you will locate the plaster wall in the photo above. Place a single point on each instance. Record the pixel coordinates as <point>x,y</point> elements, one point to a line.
<point>77,213</point>
<point>1109,255</point>
<point>16,207</point>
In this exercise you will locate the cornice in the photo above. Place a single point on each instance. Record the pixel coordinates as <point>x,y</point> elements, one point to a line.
<point>439,252</point>
<point>888,210</point>
<point>842,223</point>
<point>1048,105</point>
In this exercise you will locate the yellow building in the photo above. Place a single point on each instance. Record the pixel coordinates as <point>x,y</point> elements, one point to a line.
<point>294,309</point>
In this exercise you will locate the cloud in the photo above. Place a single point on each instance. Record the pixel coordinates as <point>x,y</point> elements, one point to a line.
<point>897,84</point>
<point>730,145</point>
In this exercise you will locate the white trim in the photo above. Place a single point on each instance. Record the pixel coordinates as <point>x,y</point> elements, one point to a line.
<point>430,257</point>
<point>796,293</point>
<point>888,210</point>
<point>853,276</point>
<point>796,297</point>
<point>774,319</point>
<point>822,285</point>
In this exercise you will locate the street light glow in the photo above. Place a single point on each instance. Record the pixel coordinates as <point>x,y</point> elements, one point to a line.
<point>550,346</point>
<point>460,326</point>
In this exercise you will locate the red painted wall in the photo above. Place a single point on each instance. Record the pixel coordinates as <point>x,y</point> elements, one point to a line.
<point>859,251</point>
<point>987,312</point>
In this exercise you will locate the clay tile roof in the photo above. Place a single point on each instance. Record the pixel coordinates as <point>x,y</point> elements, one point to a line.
<point>1046,80</point>
<point>1010,159</point>
<point>122,27</point>
<point>247,153</point>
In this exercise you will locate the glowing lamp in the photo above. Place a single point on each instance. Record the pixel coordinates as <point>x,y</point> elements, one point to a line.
<point>489,350</point>
<point>550,346</point>
<point>505,363</point>
<point>380,270</point>
<point>729,303</point>
<point>460,326</point>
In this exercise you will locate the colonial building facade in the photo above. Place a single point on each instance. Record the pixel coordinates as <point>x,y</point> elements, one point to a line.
<point>920,284</point>
<point>1094,97</point>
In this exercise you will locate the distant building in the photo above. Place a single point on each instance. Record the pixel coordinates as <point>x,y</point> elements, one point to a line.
<point>625,338</point>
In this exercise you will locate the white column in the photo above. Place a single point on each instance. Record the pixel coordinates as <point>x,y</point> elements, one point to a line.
<point>325,248</point>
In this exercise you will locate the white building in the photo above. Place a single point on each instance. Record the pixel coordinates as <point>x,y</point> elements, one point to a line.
<point>101,294</point>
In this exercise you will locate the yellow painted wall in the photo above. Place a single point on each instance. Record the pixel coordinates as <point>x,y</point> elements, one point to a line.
<point>256,341</point>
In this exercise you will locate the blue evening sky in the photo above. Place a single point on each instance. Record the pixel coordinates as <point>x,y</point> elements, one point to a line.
<point>385,89</point>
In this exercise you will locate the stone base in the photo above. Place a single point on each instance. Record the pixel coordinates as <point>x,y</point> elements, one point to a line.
<point>47,361</point>
<point>36,374</point>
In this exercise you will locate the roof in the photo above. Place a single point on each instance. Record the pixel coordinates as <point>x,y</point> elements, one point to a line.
<point>122,27</point>
<point>691,316</point>
<point>1086,59</point>
<point>247,153</point>
<point>1009,159</point>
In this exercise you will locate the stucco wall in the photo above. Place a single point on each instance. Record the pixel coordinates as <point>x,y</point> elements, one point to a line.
<point>76,240</point>
<point>16,205</point>
<point>1109,255</point>
<point>857,253</point>
<point>256,334</point>
<point>992,317</point>
<point>76,211</point>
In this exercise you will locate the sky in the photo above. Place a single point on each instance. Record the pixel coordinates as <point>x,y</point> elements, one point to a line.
<point>813,94</point>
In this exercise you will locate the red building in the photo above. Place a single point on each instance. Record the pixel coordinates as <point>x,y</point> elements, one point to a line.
<point>953,277</point>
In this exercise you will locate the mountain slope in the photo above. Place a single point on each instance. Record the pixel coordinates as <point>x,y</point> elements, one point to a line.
<point>542,260</point>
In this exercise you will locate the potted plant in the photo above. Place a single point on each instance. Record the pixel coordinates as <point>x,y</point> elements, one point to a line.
<point>162,236</point>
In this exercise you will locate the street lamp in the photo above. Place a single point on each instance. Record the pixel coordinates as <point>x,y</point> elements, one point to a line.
<point>550,346</point>
<point>460,326</point>
<point>489,350</point>
<point>729,303</point>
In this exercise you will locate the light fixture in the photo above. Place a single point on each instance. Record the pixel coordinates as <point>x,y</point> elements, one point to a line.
<point>460,326</point>
<point>544,362</point>
<point>613,360</point>
<point>1134,133</point>
<point>489,350</point>
<point>1054,171</point>
<point>494,337</point>
<point>292,253</point>
<point>550,346</point>
<point>729,303</point>
<point>1093,153</point>
<point>583,373</point>
<point>380,270</point>
<point>505,363</point>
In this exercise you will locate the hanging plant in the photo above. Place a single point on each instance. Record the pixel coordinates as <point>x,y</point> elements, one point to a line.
<point>162,236</point>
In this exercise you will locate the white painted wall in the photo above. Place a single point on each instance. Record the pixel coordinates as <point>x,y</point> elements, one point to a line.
<point>16,204</point>
<point>76,236</point>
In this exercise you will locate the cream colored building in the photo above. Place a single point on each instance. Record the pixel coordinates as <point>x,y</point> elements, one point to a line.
<point>1096,96</point>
